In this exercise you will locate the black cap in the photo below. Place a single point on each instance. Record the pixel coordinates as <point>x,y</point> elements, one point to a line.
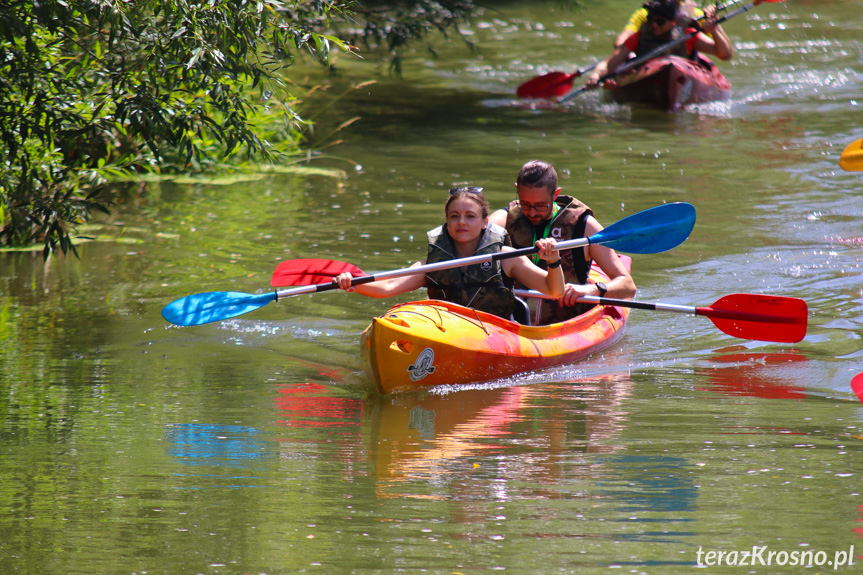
<point>662,9</point>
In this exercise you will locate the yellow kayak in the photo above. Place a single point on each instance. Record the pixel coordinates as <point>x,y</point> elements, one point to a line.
<point>418,345</point>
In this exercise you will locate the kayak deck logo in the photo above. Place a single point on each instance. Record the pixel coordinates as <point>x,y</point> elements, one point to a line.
<point>424,365</point>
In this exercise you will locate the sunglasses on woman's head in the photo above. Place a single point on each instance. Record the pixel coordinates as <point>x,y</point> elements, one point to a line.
<point>467,189</point>
<point>656,20</point>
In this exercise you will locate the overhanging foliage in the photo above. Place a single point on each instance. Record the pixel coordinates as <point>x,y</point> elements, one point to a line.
<point>88,88</point>
<point>95,89</point>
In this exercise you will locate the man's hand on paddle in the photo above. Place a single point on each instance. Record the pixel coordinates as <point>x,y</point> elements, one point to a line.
<point>571,293</point>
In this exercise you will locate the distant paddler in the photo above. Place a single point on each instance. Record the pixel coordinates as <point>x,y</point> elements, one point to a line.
<point>663,26</point>
<point>689,13</point>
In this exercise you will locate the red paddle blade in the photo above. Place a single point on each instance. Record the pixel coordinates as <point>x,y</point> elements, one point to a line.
<point>759,317</point>
<point>857,385</point>
<point>549,86</point>
<point>310,272</point>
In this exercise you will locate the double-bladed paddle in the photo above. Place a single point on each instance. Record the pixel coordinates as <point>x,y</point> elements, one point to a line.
<point>744,315</point>
<point>851,159</point>
<point>747,316</point>
<point>651,231</point>
<point>659,50</point>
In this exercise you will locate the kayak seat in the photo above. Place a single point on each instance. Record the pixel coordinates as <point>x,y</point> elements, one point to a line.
<point>520,312</point>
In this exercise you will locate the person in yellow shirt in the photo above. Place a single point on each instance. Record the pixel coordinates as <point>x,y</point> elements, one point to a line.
<point>686,8</point>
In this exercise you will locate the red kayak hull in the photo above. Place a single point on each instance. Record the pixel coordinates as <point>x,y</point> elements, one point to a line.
<point>670,83</point>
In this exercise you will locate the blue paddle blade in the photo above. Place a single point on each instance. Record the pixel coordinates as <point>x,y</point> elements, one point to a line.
<point>652,231</point>
<point>207,307</point>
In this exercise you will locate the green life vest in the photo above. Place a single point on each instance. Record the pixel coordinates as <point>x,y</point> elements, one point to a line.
<point>479,286</point>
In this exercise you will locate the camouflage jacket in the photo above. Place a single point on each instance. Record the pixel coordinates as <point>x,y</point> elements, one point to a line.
<point>569,223</point>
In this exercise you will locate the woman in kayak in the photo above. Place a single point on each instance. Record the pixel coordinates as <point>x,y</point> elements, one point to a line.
<point>662,27</point>
<point>487,286</point>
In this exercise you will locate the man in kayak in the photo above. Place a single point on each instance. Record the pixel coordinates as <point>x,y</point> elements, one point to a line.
<point>542,212</point>
<point>486,286</point>
<point>663,27</point>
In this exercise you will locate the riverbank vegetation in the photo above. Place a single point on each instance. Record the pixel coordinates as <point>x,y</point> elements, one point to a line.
<point>94,91</point>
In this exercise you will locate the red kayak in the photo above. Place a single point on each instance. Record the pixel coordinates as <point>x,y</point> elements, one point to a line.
<point>670,83</point>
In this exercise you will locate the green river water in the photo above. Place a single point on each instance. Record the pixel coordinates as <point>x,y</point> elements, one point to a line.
<point>255,445</point>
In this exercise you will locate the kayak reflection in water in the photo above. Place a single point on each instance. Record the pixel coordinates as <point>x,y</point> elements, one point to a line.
<point>540,211</point>
<point>663,25</point>
<point>486,286</point>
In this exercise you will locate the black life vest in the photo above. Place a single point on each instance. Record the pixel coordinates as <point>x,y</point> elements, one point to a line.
<point>479,286</point>
<point>648,41</point>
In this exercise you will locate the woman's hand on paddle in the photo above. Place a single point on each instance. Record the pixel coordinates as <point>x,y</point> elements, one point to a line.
<point>547,251</point>
<point>382,287</point>
<point>344,281</point>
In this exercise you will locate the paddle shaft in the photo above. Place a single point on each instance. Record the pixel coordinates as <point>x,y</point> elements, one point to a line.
<point>661,49</point>
<point>580,73</point>
<point>707,311</point>
<point>584,71</point>
<point>666,226</point>
<point>426,268</point>
<point>651,231</point>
